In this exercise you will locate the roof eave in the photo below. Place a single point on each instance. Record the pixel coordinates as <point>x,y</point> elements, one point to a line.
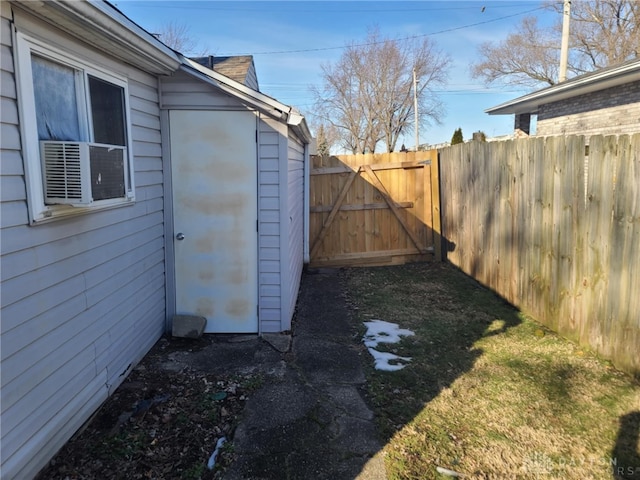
<point>121,37</point>
<point>236,89</point>
<point>253,98</point>
<point>299,125</point>
<point>625,73</point>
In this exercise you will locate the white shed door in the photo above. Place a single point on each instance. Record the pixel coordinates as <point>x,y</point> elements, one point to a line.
<point>214,174</point>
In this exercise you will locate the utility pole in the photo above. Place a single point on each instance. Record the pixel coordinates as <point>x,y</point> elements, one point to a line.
<point>564,48</point>
<point>415,107</point>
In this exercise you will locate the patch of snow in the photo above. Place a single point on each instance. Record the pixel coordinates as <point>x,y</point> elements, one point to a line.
<point>383,359</point>
<point>379,331</point>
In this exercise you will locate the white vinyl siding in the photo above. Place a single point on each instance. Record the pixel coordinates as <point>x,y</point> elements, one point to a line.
<point>83,297</point>
<point>271,286</point>
<point>13,194</point>
<point>181,90</point>
<point>279,171</point>
<point>296,217</point>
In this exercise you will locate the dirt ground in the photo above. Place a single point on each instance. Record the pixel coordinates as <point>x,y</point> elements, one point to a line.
<point>159,423</point>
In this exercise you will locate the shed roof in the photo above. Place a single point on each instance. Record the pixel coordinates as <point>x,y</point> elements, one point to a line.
<point>249,96</point>
<point>589,82</point>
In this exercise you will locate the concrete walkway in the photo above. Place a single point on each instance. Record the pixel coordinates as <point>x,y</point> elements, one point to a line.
<point>309,420</point>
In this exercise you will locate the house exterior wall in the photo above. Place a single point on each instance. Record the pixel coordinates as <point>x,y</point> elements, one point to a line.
<point>295,163</point>
<point>82,297</point>
<point>611,111</point>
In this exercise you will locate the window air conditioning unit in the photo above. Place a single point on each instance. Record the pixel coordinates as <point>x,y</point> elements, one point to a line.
<point>80,173</point>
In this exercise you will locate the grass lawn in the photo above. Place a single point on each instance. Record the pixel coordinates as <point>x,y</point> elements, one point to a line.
<point>489,393</point>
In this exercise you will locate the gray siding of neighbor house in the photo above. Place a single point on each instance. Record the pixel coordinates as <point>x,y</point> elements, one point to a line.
<point>82,297</point>
<point>183,91</point>
<point>252,78</point>
<point>296,186</point>
<point>614,110</point>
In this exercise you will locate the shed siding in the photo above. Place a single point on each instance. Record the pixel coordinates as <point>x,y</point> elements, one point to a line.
<point>181,90</point>
<point>295,169</point>
<point>269,241</point>
<point>611,111</point>
<point>82,297</point>
<point>280,198</point>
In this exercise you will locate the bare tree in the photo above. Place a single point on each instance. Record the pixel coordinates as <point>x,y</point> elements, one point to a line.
<point>602,33</point>
<point>178,36</point>
<point>528,57</point>
<point>368,93</point>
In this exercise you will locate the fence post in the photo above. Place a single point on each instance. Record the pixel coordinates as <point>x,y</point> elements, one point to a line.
<point>435,205</point>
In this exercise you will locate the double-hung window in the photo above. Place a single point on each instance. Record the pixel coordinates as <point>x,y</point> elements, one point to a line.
<point>76,131</point>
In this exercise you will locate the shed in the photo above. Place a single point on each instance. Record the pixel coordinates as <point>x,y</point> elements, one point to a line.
<point>237,201</point>
<point>606,101</point>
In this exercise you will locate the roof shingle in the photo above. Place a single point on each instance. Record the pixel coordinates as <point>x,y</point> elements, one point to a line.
<point>239,68</point>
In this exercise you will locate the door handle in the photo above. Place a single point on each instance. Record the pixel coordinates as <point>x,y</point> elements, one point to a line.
<point>180,236</point>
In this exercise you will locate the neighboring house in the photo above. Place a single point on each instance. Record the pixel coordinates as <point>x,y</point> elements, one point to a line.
<point>239,68</point>
<point>606,101</point>
<point>87,211</point>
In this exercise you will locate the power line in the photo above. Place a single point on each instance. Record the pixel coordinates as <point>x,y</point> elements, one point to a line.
<point>453,29</point>
<point>292,7</point>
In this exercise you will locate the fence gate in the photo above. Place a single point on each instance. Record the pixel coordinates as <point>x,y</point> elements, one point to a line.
<point>374,209</point>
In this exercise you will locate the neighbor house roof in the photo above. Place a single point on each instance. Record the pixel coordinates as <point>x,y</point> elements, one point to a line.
<point>236,68</point>
<point>589,82</point>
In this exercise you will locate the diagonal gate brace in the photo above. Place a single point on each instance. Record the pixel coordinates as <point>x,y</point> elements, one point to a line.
<point>392,205</point>
<point>334,212</point>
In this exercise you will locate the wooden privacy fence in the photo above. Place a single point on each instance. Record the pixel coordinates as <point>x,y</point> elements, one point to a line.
<point>553,231</point>
<point>374,209</point>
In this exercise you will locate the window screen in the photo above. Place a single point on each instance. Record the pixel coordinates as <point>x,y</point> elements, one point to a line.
<point>107,110</point>
<point>107,172</point>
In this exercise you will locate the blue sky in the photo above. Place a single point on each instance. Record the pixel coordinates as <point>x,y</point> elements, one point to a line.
<point>290,40</point>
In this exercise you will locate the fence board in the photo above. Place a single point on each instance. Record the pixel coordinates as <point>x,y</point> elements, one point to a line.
<point>384,215</point>
<point>554,233</point>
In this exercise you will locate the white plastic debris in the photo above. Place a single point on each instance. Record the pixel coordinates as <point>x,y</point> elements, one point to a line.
<point>212,459</point>
<point>449,473</point>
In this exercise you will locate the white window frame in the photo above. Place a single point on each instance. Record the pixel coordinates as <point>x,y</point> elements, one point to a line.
<point>38,210</point>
